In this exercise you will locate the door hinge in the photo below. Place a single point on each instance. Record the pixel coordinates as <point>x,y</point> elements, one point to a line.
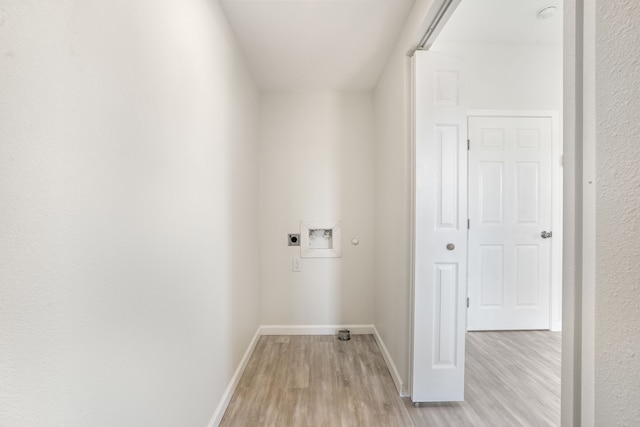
<point>468,144</point>
<point>467,302</point>
<point>468,224</point>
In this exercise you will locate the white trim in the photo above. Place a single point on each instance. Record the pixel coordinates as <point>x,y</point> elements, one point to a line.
<point>587,210</point>
<point>231,388</point>
<point>315,329</point>
<point>397,379</point>
<point>513,113</point>
<point>435,20</point>
<point>412,214</point>
<point>555,293</point>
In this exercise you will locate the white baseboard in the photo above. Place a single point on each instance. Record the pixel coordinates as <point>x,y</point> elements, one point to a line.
<point>397,380</point>
<point>315,329</point>
<point>231,388</point>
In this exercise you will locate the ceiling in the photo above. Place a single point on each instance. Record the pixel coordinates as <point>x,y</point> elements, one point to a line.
<point>317,44</point>
<point>344,44</point>
<point>503,21</point>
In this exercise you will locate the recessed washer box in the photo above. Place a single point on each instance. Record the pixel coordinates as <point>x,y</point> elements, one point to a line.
<point>320,239</point>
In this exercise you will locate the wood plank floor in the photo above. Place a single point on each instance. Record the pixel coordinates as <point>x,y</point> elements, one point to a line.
<point>512,379</point>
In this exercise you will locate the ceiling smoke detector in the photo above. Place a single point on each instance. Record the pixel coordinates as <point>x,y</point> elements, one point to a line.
<point>546,12</point>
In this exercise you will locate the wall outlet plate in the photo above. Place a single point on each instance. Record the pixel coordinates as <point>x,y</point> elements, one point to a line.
<point>294,239</point>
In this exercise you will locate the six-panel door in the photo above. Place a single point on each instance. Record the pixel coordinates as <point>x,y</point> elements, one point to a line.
<point>509,208</point>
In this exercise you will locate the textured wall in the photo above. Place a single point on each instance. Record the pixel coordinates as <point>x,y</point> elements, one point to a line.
<point>617,356</point>
<point>128,184</point>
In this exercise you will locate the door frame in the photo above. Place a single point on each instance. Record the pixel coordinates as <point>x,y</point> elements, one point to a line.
<point>555,291</point>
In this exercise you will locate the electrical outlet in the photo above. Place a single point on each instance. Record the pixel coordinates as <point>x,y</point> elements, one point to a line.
<point>295,265</point>
<point>294,239</point>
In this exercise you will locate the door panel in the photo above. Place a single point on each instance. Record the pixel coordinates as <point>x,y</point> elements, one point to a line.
<point>439,292</point>
<point>527,276</point>
<point>491,197</point>
<point>492,275</point>
<point>446,139</point>
<point>509,206</point>
<point>527,196</point>
<point>445,314</point>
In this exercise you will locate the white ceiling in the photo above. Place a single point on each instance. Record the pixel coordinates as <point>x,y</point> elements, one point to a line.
<point>317,44</point>
<point>503,21</point>
<point>344,44</point>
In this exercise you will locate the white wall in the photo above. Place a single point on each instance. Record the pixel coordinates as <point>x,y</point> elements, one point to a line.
<point>617,223</point>
<point>510,76</point>
<point>393,201</point>
<point>128,179</point>
<point>316,163</point>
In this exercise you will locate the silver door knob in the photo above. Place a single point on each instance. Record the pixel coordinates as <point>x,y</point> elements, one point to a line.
<point>546,234</point>
<point>450,246</point>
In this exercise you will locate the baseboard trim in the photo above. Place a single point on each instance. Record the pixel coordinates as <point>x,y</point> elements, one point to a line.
<point>231,388</point>
<point>397,379</point>
<point>315,329</point>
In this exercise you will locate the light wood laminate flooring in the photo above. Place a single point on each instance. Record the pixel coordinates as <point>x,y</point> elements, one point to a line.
<point>512,379</point>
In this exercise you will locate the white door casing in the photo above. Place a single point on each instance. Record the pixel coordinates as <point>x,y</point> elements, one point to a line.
<point>440,230</point>
<point>510,198</point>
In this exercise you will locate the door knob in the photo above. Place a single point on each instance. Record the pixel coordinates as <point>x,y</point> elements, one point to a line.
<point>450,246</point>
<point>546,234</point>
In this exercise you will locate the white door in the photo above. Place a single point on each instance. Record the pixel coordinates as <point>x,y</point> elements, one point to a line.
<point>440,221</point>
<point>509,210</point>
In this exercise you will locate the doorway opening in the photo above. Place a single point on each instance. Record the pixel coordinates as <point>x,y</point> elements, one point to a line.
<point>512,52</point>
<point>512,62</point>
